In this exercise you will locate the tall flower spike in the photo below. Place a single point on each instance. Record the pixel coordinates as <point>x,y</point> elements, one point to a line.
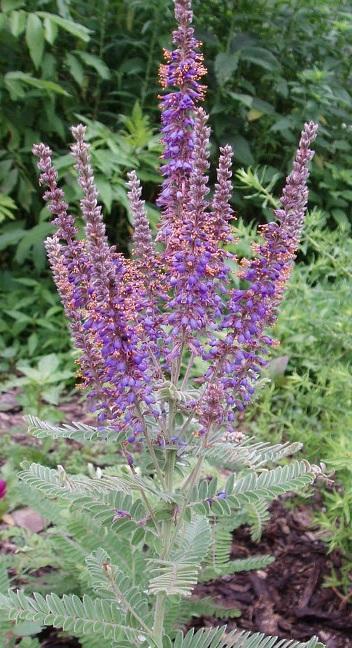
<point>146,267</point>
<point>54,196</point>
<point>181,74</point>
<point>221,210</point>
<point>112,318</point>
<point>240,354</point>
<point>143,247</point>
<point>73,253</point>
<point>188,256</point>
<point>65,277</point>
<point>104,269</point>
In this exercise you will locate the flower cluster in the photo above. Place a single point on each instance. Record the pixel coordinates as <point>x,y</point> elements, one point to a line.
<point>142,323</point>
<point>181,75</point>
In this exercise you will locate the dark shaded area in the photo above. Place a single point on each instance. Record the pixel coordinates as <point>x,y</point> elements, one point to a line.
<point>288,599</point>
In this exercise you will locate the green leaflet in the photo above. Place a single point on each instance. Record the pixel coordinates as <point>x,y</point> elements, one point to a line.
<point>234,566</point>
<point>249,454</point>
<point>76,431</point>
<point>179,574</point>
<point>218,638</point>
<point>72,614</point>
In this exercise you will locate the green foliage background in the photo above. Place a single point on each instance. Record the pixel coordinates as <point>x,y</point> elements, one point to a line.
<point>273,64</point>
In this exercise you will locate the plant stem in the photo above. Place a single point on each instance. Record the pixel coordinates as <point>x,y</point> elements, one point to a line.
<point>150,446</point>
<point>166,535</point>
<point>122,599</point>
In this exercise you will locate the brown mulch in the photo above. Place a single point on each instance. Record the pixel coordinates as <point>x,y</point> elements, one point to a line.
<point>288,598</point>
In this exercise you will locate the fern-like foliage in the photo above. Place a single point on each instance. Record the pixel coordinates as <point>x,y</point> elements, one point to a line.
<point>257,514</point>
<point>76,431</point>
<point>253,563</point>
<point>249,453</point>
<point>271,483</point>
<point>219,638</point>
<point>179,574</point>
<point>73,614</point>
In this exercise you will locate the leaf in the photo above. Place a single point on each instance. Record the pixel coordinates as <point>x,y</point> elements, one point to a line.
<point>30,239</point>
<point>259,108</point>
<point>264,106</point>
<point>105,191</point>
<point>17,23</point>
<point>4,579</point>
<point>245,99</point>
<point>270,483</point>
<point>75,68</point>
<point>41,84</point>
<point>72,614</point>
<point>48,364</point>
<point>254,114</point>
<point>225,65</point>
<point>35,38</point>
<point>235,566</point>
<point>76,29</point>
<point>12,236</point>
<point>260,56</point>
<point>179,575</point>
<point>218,638</point>
<point>257,515</point>
<point>75,431</point>
<point>27,628</point>
<point>7,207</point>
<point>109,582</point>
<point>242,151</point>
<point>95,62</point>
<point>32,343</point>
<point>50,30</point>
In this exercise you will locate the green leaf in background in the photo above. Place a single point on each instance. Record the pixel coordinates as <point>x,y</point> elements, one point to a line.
<point>32,244</point>
<point>225,65</point>
<point>75,68</point>
<point>41,84</point>
<point>105,191</point>
<point>244,99</point>
<point>7,207</point>
<point>80,31</point>
<point>17,22</point>
<point>262,57</point>
<point>50,30</point>
<point>95,62</point>
<point>11,234</point>
<point>48,364</point>
<point>242,151</point>
<point>35,38</point>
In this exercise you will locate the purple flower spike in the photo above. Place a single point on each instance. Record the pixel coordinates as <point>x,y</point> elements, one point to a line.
<point>143,246</point>
<point>180,75</point>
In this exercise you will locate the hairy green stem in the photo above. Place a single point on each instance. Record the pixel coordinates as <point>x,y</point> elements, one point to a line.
<point>166,537</point>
